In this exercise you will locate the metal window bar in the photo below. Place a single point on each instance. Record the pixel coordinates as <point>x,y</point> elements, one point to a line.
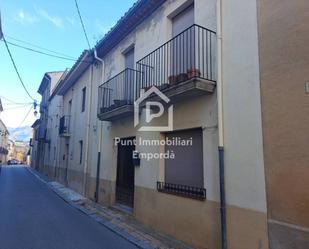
<point>182,190</point>
<point>187,55</point>
<point>118,91</point>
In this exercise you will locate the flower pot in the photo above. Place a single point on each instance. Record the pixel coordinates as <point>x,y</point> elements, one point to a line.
<point>172,80</point>
<point>182,77</point>
<point>193,72</point>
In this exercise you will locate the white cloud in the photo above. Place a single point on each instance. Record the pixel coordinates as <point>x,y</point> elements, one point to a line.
<point>55,20</point>
<point>25,18</point>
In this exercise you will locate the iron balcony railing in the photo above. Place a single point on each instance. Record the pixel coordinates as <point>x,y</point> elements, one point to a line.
<point>64,125</point>
<point>182,190</point>
<point>188,55</point>
<point>118,91</point>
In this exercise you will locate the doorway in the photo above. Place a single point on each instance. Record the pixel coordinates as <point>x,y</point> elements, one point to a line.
<point>125,172</point>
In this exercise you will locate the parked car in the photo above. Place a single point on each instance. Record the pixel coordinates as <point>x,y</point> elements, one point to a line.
<point>13,162</point>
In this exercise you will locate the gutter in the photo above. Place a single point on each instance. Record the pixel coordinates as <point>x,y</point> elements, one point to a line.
<point>89,88</point>
<point>221,127</point>
<point>96,195</point>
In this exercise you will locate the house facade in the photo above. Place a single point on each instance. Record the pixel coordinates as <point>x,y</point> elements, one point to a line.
<point>43,132</point>
<point>4,137</point>
<point>209,179</point>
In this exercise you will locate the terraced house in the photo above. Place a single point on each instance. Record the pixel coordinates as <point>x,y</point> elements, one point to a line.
<point>4,137</point>
<point>211,61</point>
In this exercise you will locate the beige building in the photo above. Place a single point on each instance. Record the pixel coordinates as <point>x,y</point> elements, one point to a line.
<point>213,61</point>
<point>4,136</point>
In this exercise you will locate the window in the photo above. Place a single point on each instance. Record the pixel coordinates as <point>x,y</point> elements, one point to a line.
<point>187,166</point>
<point>83,99</point>
<point>80,151</point>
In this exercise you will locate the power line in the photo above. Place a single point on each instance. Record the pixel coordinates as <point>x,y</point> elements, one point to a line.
<point>44,53</point>
<point>12,101</point>
<point>82,23</point>
<point>16,107</point>
<point>24,118</point>
<point>39,47</point>
<point>40,52</point>
<point>15,67</point>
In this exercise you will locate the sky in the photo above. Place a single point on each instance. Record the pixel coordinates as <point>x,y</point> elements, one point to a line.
<point>53,25</point>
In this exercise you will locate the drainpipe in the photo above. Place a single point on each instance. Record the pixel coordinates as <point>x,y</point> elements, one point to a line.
<point>89,88</point>
<point>100,135</point>
<point>220,127</point>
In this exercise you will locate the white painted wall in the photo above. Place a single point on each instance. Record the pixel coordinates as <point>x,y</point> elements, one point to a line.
<point>245,180</point>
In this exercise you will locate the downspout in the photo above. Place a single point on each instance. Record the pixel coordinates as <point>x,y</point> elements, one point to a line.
<point>88,129</point>
<point>221,127</point>
<point>96,195</point>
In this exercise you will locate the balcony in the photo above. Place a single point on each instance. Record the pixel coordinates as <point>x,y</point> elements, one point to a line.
<point>116,96</point>
<point>183,67</point>
<point>64,126</point>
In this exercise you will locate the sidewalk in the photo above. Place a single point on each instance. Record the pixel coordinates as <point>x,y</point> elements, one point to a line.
<point>114,219</point>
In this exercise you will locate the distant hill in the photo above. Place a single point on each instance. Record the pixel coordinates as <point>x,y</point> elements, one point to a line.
<point>23,133</point>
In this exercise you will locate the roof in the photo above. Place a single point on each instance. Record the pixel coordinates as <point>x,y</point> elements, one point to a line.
<point>126,24</point>
<point>51,77</point>
<point>80,66</point>
<point>59,84</point>
<point>36,123</point>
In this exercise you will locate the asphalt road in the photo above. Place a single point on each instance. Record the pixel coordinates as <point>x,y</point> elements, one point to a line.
<point>33,217</point>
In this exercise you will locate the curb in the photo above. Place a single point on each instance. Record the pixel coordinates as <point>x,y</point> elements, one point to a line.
<point>112,227</point>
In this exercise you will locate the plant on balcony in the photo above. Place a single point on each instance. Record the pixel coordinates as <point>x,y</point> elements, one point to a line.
<point>193,72</point>
<point>172,80</point>
<point>182,77</point>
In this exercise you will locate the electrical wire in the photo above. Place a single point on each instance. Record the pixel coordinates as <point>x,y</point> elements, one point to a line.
<point>39,47</point>
<point>16,107</point>
<point>24,118</point>
<point>44,53</point>
<point>15,67</point>
<point>12,101</point>
<point>82,23</point>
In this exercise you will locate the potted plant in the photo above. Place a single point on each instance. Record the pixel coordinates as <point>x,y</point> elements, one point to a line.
<point>193,72</point>
<point>182,77</point>
<point>172,79</point>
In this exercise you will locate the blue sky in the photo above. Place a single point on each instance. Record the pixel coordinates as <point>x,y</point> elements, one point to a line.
<point>53,25</point>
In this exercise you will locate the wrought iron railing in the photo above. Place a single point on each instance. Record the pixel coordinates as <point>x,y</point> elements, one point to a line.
<point>118,91</point>
<point>64,125</point>
<point>188,55</point>
<point>182,190</point>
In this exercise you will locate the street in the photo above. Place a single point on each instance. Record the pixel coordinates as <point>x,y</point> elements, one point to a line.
<point>33,217</point>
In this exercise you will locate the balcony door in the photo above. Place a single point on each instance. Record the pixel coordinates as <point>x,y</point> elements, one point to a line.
<point>182,47</point>
<point>128,76</point>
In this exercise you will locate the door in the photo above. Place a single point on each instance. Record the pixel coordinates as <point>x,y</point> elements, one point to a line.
<point>126,88</point>
<point>183,43</point>
<point>125,173</point>
<point>129,59</point>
